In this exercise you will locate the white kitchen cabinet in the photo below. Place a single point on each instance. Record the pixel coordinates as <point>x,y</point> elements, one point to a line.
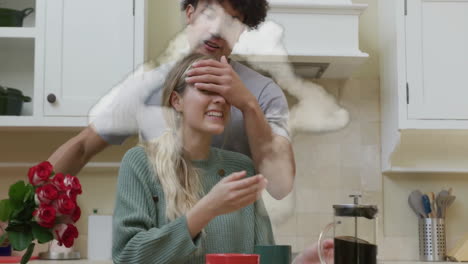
<point>18,47</point>
<point>424,106</point>
<point>74,53</point>
<point>424,60</point>
<point>437,59</point>
<point>89,49</point>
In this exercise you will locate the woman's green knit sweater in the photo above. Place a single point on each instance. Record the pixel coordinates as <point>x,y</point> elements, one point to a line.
<point>142,234</point>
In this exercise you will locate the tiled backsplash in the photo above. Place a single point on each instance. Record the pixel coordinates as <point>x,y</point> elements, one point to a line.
<point>330,166</point>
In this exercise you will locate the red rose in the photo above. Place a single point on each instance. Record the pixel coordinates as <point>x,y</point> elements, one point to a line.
<point>46,194</point>
<point>64,205</point>
<point>65,234</point>
<point>58,181</point>
<point>72,183</point>
<point>45,215</point>
<point>73,194</point>
<point>76,214</point>
<point>40,173</point>
<point>70,219</point>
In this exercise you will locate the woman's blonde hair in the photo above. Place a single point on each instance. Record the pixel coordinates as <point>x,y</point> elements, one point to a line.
<point>179,179</point>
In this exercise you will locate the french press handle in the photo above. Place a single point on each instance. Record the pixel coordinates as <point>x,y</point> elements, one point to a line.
<point>321,238</point>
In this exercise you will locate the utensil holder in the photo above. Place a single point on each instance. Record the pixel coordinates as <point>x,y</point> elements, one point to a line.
<point>432,240</point>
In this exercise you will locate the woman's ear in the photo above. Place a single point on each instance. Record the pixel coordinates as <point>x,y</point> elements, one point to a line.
<point>176,101</point>
<point>189,14</point>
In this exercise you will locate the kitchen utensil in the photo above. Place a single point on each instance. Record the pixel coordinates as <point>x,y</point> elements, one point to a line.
<point>432,239</point>
<point>11,101</point>
<point>415,202</point>
<point>13,18</point>
<point>351,249</point>
<point>444,202</point>
<point>450,201</point>
<point>440,201</point>
<point>430,205</point>
<point>427,205</point>
<point>433,204</point>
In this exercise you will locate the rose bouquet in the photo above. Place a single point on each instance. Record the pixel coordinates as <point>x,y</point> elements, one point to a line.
<point>42,210</point>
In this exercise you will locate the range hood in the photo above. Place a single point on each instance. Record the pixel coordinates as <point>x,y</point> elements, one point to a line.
<point>319,38</point>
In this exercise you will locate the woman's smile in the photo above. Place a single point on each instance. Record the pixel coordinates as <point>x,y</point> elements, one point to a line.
<point>215,115</point>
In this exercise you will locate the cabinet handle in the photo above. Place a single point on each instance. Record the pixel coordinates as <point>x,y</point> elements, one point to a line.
<point>51,98</point>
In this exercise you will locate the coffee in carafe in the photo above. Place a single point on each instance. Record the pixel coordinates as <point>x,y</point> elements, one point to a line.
<point>351,250</point>
<point>354,229</point>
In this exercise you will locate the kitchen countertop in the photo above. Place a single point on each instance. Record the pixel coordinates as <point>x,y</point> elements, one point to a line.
<point>84,261</point>
<point>409,262</point>
<point>81,261</point>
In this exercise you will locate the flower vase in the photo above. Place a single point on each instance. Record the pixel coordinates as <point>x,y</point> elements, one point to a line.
<point>56,252</point>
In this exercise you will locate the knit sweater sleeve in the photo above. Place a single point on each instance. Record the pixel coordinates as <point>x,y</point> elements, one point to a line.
<point>136,235</point>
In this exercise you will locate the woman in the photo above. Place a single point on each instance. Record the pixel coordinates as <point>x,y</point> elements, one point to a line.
<point>178,198</point>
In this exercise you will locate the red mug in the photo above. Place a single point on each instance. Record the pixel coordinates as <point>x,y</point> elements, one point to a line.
<point>232,259</point>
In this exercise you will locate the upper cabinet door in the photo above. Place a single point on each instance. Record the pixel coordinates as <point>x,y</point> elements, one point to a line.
<point>89,49</point>
<point>437,59</point>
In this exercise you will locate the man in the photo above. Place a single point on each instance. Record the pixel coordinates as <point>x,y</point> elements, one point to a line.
<point>258,125</point>
<point>259,117</point>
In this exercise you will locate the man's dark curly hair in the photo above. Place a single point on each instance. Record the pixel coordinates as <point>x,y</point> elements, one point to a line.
<point>253,11</point>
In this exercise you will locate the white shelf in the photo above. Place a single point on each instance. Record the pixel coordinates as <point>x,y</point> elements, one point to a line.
<point>399,170</point>
<point>15,120</point>
<point>18,122</point>
<point>17,32</point>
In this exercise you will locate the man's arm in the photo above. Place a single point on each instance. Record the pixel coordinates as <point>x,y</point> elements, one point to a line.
<point>72,156</point>
<point>272,154</point>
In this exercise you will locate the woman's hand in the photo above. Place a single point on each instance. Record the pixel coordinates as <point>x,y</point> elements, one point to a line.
<point>228,195</point>
<point>233,193</point>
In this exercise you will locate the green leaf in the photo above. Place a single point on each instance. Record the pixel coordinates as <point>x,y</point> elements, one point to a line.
<point>29,196</point>
<point>17,192</point>
<point>3,237</point>
<point>6,209</point>
<point>25,214</point>
<point>18,226</point>
<point>20,240</point>
<point>28,254</point>
<point>41,233</point>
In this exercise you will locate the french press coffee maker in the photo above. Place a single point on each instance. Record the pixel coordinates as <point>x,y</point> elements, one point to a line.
<point>354,233</point>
